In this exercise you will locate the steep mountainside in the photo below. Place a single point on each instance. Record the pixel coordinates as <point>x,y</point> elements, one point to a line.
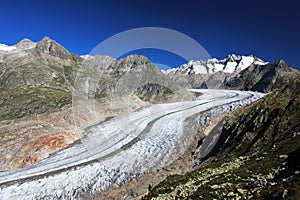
<point>263,78</point>
<point>35,78</point>
<point>256,157</point>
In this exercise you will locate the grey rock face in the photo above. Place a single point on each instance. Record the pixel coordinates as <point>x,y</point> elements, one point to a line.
<point>48,46</point>
<point>100,62</point>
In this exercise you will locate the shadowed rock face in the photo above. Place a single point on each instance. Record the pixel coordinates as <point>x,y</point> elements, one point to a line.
<point>256,157</point>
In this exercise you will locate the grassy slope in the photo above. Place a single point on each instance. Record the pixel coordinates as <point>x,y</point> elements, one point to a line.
<point>20,102</point>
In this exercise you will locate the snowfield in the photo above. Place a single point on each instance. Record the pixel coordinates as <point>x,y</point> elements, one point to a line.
<point>4,47</point>
<point>120,149</point>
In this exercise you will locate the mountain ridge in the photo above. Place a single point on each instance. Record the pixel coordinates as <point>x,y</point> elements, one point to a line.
<point>230,64</point>
<point>244,73</point>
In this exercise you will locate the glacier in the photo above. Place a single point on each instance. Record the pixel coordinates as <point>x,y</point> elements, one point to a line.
<point>120,149</point>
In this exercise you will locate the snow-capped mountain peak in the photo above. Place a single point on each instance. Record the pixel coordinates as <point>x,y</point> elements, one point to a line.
<point>230,64</point>
<point>25,44</point>
<point>22,45</point>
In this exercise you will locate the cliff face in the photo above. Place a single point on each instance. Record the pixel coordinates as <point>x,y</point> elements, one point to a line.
<point>256,156</point>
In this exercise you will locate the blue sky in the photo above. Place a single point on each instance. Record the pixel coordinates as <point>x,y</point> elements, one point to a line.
<point>267,29</point>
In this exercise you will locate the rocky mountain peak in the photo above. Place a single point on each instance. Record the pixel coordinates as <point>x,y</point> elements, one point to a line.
<point>25,44</point>
<point>132,63</point>
<point>98,61</point>
<point>51,47</point>
<point>283,67</point>
<point>135,59</point>
<point>46,45</point>
<point>233,58</point>
<point>281,62</point>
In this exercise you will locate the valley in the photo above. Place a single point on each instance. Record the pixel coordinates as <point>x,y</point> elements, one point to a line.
<point>92,126</point>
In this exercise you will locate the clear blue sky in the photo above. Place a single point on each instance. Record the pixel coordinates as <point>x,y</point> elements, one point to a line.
<point>267,29</point>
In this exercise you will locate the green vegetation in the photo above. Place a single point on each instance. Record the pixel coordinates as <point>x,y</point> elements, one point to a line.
<point>105,85</point>
<point>70,74</point>
<point>258,158</point>
<point>20,102</point>
<point>153,92</point>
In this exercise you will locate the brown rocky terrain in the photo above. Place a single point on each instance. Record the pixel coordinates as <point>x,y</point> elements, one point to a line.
<point>31,139</point>
<point>27,141</point>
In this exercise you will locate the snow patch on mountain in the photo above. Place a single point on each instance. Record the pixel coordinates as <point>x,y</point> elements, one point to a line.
<point>24,44</point>
<point>5,47</point>
<point>87,57</point>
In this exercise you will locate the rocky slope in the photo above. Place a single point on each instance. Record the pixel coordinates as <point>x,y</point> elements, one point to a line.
<point>135,73</point>
<point>255,158</point>
<point>35,100</point>
<point>47,66</point>
<point>34,78</point>
<point>25,141</point>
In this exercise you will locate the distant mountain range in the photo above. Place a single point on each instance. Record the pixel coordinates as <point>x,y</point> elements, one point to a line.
<point>230,64</point>
<point>233,72</point>
<point>46,64</point>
